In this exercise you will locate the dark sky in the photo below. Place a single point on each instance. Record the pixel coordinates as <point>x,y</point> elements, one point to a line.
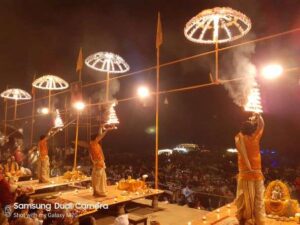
<point>40,37</point>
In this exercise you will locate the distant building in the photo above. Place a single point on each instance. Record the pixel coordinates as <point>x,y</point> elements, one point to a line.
<point>183,148</point>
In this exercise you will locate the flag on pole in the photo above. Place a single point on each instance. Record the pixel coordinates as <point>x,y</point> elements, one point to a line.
<point>79,61</point>
<point>159,35</point>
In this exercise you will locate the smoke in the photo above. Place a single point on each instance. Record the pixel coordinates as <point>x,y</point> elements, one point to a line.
<point>238,64</point>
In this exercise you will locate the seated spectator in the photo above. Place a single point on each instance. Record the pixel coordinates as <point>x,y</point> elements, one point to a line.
<point>188,195</point>
<point>11,168</point>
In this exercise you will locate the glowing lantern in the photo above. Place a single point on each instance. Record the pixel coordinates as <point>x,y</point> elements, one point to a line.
<point>254,101</point>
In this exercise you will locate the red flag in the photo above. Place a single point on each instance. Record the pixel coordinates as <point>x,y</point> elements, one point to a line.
<point>79,64</point>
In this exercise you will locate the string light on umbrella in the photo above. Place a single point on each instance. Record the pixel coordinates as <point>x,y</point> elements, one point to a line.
<point>217,25</point>
<point>107,62</point>
<point>50,82</point>
<point>16,95</point>
<point>254,101</point>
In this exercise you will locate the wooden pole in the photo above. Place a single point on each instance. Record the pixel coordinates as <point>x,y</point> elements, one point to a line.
<point>217,60</point>
<point>80,75</point>
<point>15,112</point>
<point>49,101</point>
<point>76,142</point>
<point>107,88</point>
<point>157,116</point>
<point>66,121</point>
<point>5,117</point>
<point>32,119</point>
<point>89,122</point>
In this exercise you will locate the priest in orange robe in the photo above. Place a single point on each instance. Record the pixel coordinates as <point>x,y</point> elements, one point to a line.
<point>98,174</point>
<point>43,161</point>
<point>250,188</point>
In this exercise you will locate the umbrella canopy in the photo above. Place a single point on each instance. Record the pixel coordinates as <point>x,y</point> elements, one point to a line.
<point>107,62</point>
<point>50,82</point>
<point>16,94</point>
<point>220,24</point>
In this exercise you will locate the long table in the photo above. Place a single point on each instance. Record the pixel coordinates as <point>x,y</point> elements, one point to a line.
<point>53,182</point>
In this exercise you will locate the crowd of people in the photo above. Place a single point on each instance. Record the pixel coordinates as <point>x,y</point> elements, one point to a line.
<point>202,180</point>
<point>210,176</point>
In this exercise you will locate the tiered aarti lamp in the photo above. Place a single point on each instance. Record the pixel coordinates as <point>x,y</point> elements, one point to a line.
<point>215,26</point>
<point>50,82</point>
<point>113,120</point>
<point>58,123</point>
<point>16,95</point>
<point>254,101</point>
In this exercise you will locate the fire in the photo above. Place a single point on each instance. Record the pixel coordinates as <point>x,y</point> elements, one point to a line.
<point>113,120</point>
<point>58,123</point>
<point>254,101</point>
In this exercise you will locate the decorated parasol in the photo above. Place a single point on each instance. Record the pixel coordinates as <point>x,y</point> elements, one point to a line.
<point>107,62</point>
<point>16,95</point>
<point>217,25</point>
<point>50,82</point>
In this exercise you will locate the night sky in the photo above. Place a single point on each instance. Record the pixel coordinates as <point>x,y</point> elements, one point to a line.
<point>42,37</point>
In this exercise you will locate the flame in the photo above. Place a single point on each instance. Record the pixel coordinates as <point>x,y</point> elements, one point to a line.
<point>254,101</point>
<point>58,121</point>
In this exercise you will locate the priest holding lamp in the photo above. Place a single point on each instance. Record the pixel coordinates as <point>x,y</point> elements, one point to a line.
<point>98,174</point>
<point>250,189</point>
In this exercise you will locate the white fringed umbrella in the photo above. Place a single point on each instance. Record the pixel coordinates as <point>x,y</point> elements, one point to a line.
<point>107,62</point>
<point>50,82</point>
<point>16,95</point>
<point>217,25</point>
